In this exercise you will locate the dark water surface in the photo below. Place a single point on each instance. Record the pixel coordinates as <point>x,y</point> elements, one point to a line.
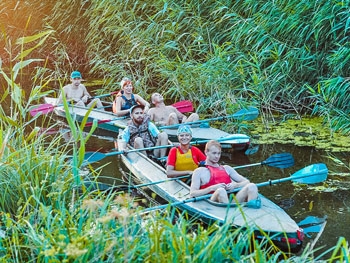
<point>331,198</point>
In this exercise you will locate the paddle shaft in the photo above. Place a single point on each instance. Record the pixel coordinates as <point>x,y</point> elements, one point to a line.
<point>286,158</point>
<point>179,105</point>
<point>322,170</point>
<point>97,156</point>
<point>249,114</point>
<point>47,108</point>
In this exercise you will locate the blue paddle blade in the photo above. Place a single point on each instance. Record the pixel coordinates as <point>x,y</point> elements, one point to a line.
<point>252,150</point>
<point>312,229</point>
<point>247,114</point>
<point>91,157</point>
<point>311,174</point>
<point>312,220</point>
<point>280,160</point>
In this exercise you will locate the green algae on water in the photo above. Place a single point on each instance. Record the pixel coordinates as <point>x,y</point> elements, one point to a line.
<point>303,132</point>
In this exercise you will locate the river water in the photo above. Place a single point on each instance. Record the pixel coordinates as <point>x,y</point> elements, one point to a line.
<point>330,198</point>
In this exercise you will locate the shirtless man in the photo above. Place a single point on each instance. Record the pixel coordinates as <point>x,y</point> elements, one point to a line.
<point>77,93</point>
<point>162,114</point>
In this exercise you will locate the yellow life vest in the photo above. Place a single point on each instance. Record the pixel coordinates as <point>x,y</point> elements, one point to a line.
<point>184,161</point>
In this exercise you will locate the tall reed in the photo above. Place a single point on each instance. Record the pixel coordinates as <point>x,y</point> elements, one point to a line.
<point>222,55</point>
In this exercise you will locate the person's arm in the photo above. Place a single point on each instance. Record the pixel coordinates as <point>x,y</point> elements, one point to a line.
<point>150,114</point>
<point>181,117</point>
<point>60,97</point>
<point>86,94</point>
<point>123,139</point>
<point>170,168</point>
<point>142,101</point>
<point>171,172</point>
<point>196,183</point>
<point>237,179</point>
<point>117,105</point>
<point>198,155</point>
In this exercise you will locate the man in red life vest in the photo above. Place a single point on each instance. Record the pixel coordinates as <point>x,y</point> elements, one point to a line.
<point>218,179</point>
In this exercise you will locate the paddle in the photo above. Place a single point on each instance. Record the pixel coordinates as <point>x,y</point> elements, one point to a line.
<point>47,108</point>
<point>247,114</point>
<point>312,224</point>
<point>91,157</point>
<point>252,149</point>
<point>279,160</point>
<point>183,106</point>
<point>311,174</point>
<point>312,220</point>
<point>282,160</point>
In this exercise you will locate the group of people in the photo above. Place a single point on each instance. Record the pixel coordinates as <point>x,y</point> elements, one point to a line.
<point>183,159</point>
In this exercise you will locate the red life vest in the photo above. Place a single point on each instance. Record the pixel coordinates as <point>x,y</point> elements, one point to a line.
<point>217,175</point>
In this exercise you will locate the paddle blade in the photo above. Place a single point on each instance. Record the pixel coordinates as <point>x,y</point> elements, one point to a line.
<point>279,160</point>
<point>248,114</point>
<point>311,174</point>
<point>184,106</point>
<point>43,109</point>
<point>252,150</point>
<point>312,220</point>
<point>91,157</point>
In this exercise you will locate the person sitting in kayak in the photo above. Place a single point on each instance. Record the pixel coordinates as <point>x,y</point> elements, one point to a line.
<point>185,158</point>
<point>162,114</point>
<point>142,133</point>
<point>77,93</point>
<point>218,179</point>
<point>125,99</point>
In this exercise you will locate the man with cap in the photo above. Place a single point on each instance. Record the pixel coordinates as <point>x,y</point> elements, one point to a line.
<point>185,158</point>
<point>125,99</point>
<point>76,93</point>
<point>142,133</point>
<point>162,114</point>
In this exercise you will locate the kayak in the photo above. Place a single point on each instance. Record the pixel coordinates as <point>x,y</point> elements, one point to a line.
<point>269,220</point>
<point>108,121</point>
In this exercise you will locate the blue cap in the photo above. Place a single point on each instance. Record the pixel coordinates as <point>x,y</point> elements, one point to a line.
<point>184,129</point>
<point>76,75</point>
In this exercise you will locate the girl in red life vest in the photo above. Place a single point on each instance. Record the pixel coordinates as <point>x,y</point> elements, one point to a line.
<point>183,159</point>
